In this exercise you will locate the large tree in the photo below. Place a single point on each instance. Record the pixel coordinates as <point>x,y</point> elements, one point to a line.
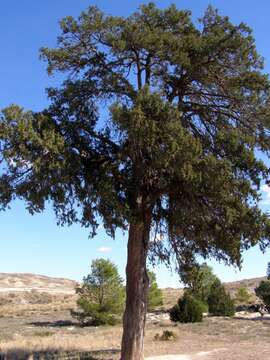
<point>156,130</point>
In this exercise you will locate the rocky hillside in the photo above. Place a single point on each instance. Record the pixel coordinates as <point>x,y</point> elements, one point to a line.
<point>15,282</point>
<point>250,284</point>
<point>31,288</point>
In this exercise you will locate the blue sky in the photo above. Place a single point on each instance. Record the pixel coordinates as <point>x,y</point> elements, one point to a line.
<point>34,243</point>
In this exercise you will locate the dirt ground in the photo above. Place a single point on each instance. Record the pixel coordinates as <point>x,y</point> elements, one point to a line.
<point>213,339</point>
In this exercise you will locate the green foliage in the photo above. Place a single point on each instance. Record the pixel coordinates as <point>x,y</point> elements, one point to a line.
<point>155,298</point>
<point>263,292</point>
<point>242,296</point>
<point>160,123</point>
<point>180,138</point>
<point>219,301</point>
<point>268,271</point>
<point>188,309</point>
<point>199,279</point>
<point>101,296</point>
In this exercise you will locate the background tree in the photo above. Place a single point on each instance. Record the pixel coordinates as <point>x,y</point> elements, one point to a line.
<point>156,128</point>
<point>155,297</point>
<point>263,292</point>
<point>268,271</point>
<point>219,301</point>
<point>101,296</point>
<point>199,279</point>
<point>243,296</point>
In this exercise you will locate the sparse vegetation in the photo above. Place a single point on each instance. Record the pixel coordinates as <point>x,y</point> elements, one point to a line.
<point>167,335</point>
<point>239,339</point>
<point>43,333</point>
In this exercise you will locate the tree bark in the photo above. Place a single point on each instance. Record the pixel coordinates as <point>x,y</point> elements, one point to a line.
<point>136,291</point>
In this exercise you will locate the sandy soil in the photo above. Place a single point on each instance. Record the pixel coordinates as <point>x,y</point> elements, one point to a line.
<point>201,355</point>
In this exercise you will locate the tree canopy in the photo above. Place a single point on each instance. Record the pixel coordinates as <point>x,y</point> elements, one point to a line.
<point>158,126</point>
<point>187,106</point>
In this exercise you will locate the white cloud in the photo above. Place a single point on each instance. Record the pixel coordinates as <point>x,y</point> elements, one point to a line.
<point>105,249</point>
<point>266,194</point>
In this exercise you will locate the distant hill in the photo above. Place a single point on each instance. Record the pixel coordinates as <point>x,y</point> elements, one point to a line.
<point>22,282</point>
<point>250,284</point>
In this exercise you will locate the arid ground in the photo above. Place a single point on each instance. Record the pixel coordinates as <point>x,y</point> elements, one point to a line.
<point>215,338</point>
<point>35,320</point>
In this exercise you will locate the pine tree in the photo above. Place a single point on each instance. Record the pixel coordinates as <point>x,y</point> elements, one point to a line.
<point>199,279</point>
<point>156,129</point>
<point>101,296</point>
<point>219,301</point>
<point>154,298</point>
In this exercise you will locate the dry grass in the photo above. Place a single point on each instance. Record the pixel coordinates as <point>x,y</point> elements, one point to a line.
<point>33,302</point>
<point>99,339</point>
<point>36,322</point>
<point>233,339</point>
<point>27,310</point>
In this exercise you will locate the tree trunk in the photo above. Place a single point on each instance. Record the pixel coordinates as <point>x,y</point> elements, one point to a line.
<point>136,291</point>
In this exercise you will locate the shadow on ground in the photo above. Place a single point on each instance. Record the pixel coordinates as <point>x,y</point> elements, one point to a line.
<point>57,323</point>
<point>21,354</point>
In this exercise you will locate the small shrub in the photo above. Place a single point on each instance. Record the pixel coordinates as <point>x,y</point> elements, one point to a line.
<point>167,335</point>
<point>219,301</point>
<point>43,333</point>
<point>187,310</point>
<point>95,317</point>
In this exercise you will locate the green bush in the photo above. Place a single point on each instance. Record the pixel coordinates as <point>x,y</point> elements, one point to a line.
<point>187,310</point>
<point>263,292</point>
<point>219,301</point>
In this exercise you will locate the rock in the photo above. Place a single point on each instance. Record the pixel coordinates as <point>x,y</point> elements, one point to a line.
<point>157,316</point>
